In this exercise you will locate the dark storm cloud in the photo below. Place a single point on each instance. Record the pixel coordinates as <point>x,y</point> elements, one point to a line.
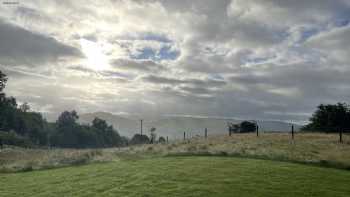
<point>20,46</point>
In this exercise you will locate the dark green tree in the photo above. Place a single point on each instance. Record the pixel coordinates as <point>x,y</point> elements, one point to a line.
<point>233,128</point>
<point>161,140</point>
<point>153,135</point>
<point>67,130</point>
<point>3,80</point>
<point>330,118</point>
<point>24,107</point>
<point>67,119</point>
<point>109,136</point>
<point>140,139</point>
<point>247,126</point>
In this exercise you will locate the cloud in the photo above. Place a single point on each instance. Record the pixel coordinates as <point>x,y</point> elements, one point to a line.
<point>161,80</point>
<point>20,46</point>
<point>334,44</point>
<point>137,65</point>
<point>234,58</point>
<point>173,81</point>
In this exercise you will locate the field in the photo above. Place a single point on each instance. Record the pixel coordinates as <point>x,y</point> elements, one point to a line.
<point>241,165</point>
<point>316,149</point>
<point>180,176</point>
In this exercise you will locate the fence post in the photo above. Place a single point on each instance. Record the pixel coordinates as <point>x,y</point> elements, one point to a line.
<point>292,132</point>
<point>141,126</point>
<point>257,129</point>
<point>206,133</point>
<point>167,140</point>
<point>340,135</point>
<point>184,135</point>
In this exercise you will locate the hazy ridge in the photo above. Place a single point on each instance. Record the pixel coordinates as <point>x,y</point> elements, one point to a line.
<point>175,126</point>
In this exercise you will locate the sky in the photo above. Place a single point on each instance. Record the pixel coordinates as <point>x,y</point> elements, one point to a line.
<point>247,59</point>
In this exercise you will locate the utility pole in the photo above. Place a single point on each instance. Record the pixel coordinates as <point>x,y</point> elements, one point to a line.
<point>141,126</point>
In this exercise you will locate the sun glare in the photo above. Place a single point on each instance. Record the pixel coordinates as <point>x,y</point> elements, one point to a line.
<point>96,60</point>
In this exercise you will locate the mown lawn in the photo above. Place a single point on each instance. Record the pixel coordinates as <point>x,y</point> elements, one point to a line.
<point>180,176</point>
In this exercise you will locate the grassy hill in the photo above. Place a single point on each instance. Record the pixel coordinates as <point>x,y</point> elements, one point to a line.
<point>181,176</point>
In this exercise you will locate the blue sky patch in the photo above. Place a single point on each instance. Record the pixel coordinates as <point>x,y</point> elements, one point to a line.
<point>165,53</point>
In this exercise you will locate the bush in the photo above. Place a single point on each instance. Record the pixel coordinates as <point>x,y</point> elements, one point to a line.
<point>11,138</point>
<point>140,139</point>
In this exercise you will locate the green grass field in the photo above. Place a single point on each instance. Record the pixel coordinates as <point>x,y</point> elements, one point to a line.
<point>180,176</point>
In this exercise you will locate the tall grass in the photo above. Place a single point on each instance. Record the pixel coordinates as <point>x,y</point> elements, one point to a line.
<point>314,148</point>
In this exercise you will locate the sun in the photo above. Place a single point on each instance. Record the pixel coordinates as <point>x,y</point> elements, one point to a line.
<point>96,59</point>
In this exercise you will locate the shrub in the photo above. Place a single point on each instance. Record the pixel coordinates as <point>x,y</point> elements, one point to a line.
<point>139,139</point>
<point>11,138</point>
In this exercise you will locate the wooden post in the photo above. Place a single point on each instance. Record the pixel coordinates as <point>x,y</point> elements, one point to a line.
<point>167,140</point>
<point>340,135</point>
<point>206,133</point>
<point>141,126</point>
<point>184,135</point>
<point>292,132</point>
<point>257,130</point>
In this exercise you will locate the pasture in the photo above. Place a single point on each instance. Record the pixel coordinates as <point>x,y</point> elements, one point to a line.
<point>180,176</point>
<point>240,165</point>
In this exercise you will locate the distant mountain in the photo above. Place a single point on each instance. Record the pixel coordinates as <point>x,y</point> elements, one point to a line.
<point>175,126</point>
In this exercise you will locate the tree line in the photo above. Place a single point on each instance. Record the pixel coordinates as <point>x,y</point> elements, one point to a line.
<point>21,127</point>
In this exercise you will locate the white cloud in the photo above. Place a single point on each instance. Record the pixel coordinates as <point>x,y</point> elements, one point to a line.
<point>242,58</point>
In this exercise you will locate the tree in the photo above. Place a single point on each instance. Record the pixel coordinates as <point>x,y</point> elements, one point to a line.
<point>109,136</point>
<point>27,125</point>
<point>3,80</point>
<point>139,139</point>
<point>161,140</point>
<point>243,127</point>
<point>22,127</point>
<point>68,131</point>
<point>99,124</point>
<point>330,118</point>
<point>153,135</point>
<point>233,128</point>
<point>247,126</point>
<point>67,119</point>
<point>24,107</point>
